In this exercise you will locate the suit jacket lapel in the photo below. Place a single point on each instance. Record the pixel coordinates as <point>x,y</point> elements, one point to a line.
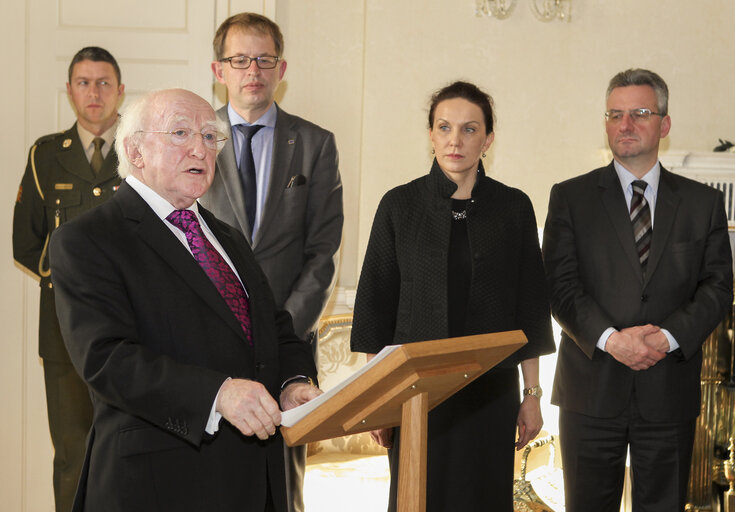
<point>72,157</point>
<point>227,172</point>
<point>667,202</point>
<point>153,232</point>
<point>285,139</point>
<point>613,200</point>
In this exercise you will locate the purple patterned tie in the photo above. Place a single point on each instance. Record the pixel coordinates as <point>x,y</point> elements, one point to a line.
<point>215,267</point>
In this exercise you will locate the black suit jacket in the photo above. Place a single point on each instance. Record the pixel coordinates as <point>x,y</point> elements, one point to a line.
<point>300,229</point>
<point>596,282</point>
<point>154,340</point>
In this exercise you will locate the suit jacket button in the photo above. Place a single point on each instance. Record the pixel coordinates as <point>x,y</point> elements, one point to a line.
<point>644,298</point>
<point>259,366</point>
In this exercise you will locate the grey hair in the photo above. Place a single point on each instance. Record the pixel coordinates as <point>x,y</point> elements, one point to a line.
<point>639,76</point>
<point>133,119</point>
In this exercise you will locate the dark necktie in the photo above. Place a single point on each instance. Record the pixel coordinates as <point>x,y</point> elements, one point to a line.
<point>97,159</point>
<point>247,171</point>
<point>215,266</point>
<point>640,216</point>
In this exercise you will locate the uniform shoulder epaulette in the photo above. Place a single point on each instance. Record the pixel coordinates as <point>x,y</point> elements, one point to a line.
<point>48,138</point>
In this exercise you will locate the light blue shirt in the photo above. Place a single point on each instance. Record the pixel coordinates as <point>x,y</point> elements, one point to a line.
<point>626,181</point>
<point>262,146</point>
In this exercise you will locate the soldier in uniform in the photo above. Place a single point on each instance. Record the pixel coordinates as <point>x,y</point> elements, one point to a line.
<point>67,174</point>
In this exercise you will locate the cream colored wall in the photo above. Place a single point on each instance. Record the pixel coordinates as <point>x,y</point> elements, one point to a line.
<point>366,68</point>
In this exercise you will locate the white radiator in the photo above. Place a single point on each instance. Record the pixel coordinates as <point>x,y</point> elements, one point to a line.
<point>715,169</point>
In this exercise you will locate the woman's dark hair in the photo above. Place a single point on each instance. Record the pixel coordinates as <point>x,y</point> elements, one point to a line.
<point>469,92</point>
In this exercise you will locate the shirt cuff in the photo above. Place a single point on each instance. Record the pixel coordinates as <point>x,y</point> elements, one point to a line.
<point>214,417</point>
<point>603,338</point>
<point>673,345</point>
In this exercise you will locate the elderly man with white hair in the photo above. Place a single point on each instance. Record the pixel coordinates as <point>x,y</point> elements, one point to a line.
<point>174,329</point>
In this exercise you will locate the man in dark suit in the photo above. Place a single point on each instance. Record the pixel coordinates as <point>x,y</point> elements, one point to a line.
<point>279,184</point>
<point>172,325</point>
<point>640,271</point>
<point>67,174</point>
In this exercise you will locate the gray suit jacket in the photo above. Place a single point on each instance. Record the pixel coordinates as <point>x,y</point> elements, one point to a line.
<point>301,225</point>
<point>596,282</point>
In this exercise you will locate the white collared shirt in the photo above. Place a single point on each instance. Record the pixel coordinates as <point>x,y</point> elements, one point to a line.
<point>163,209</point>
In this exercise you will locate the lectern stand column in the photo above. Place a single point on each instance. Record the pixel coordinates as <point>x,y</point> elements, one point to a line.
<point>412,463</point>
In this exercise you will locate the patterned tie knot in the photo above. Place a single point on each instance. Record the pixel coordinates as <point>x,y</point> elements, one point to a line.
<point>182,219</point>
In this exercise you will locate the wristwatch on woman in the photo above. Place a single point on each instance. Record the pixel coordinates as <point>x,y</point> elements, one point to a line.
<point>533,391</point>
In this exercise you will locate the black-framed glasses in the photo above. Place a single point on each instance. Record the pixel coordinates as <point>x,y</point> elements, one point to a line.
<point>181,136</point>
<point>636,114</point>
<point>243,61</point>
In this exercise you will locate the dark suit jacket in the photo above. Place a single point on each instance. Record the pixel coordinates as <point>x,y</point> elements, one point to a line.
<point>150,334</point>
<point>58,185</point>
<point>301,225</point>
<point>596,282</point>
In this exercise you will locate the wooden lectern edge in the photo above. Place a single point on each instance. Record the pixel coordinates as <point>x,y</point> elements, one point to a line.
<point>300,432</point>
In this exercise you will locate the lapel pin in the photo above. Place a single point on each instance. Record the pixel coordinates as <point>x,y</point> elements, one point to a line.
<point>66,143</point>
<point>291,141</point>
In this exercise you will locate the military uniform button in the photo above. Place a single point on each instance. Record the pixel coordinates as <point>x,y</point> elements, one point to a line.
<point>97,191</point>
<point>50,285</point>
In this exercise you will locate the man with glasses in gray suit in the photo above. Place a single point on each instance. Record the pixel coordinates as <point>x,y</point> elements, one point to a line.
<point>278,182</point>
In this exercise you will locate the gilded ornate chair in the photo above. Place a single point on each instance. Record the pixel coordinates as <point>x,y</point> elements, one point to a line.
<point>351,469</point>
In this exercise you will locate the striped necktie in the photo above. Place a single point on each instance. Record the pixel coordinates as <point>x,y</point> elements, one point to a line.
<point>640,217</point>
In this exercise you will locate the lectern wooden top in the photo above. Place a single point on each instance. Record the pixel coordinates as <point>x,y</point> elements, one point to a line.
<point>374,399</point>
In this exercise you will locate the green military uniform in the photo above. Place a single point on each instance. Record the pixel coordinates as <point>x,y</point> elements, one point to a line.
<point>58,185</point>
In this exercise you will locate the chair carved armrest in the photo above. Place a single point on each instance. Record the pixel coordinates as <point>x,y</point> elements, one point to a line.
<point>525,498</point>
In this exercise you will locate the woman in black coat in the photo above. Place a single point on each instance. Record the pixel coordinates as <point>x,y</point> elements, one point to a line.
<point>456,253</point>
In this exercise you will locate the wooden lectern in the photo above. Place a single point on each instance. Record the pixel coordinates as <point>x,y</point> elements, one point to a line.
<point>401,389</point>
